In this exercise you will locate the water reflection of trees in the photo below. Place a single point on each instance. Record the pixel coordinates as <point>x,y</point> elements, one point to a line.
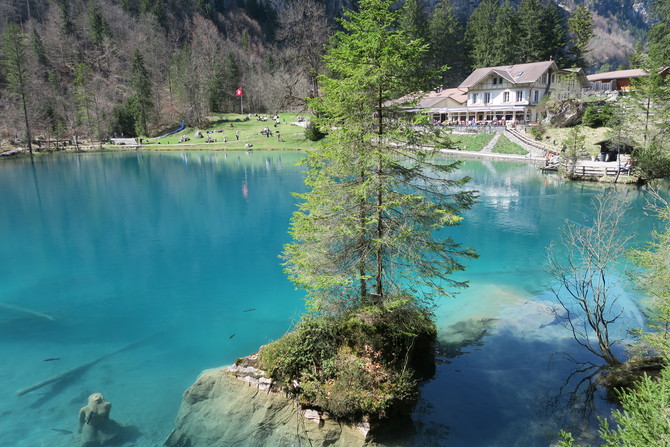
<point>574,403</point>
<point>455,338</point>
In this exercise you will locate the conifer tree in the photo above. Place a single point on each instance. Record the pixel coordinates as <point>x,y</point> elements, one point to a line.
<point>506,30</point>
<point>16,73</point>
<point>553,35</point>
<point>480,34</point>
<point>445,36</point>
<point>531,41</point>
<point>659,34</point>
<point>372,227</point>
<point>412,20</point>
<point>142,99</point>
<point>580,28</point>
<point>38,48</point>
<point>98,24</point>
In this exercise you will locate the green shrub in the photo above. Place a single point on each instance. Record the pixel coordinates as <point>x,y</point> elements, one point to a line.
<point>537,131</point>
<point>359,385</point>
<point>644,420</point>
<point>303,350</point>
<point>599,115</point>
<point>313,133</point>
<point>364,362</point>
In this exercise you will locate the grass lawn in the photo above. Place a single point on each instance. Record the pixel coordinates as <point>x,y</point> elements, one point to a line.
<point>556,137</point>
<point>222,130</point>
<point>474,143</point>
<point>505,146</point>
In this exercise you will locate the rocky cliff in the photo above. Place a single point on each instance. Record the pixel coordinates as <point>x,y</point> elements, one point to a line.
<point>237,405</point>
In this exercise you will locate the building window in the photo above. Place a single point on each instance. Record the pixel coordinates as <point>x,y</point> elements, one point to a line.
<point>474,98</point>
<point>536,95</point>
<point>544,78</point>
<point>487,98</point>
<point>495,81</point>
<point>505,96</point>
<point>519,96</point>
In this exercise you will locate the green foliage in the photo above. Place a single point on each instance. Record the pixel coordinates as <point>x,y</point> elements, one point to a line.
<point>652,162</point>
<point>412,20</point>
<point>98,24</point>
<point>141,102</point>
<point>82,97</point>
<point>580,28</point>
<point>507,29</point>
<point>537,131</point>
<point>500,35</point>
<point>480,35</point>
<point>366,230</point>
<point>359,363</point>
<point>445,37</point>
<point>599,115</point>
<point>16,73</point>
<point>567,440</point>
<point>302,351</point>
<point>38,48</point>
<point>645,418</point>
<point>654,280</point>
<point>313,133</point>
<point>659,34</point>
<point>574,145</point>
<point>123,120</point>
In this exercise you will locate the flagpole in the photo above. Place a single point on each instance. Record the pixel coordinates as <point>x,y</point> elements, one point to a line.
<point>240,93</point>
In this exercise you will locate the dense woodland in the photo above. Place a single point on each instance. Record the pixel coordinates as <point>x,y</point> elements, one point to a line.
<point>93,68</point>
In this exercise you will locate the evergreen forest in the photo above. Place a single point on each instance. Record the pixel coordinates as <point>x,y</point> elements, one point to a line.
<point>92,68</point>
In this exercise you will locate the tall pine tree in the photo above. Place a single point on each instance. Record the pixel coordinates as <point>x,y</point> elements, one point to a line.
<point>445,38</point>
<point>480,35</point>
<point>371,229</point>
<point>142,97</point>
<point>16,73</point>
<point>580,29</point>
<point>506,29</point>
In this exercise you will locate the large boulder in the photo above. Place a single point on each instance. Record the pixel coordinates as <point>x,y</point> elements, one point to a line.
<point>565,113</point>
<point>237,406</point>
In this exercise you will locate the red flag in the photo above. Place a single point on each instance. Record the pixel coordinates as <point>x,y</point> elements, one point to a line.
<point>238,92</point>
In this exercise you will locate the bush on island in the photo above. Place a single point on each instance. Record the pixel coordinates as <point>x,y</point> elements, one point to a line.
<point>364,363</point>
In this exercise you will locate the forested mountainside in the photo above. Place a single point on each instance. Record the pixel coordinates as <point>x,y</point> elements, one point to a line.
<point>97,67</point>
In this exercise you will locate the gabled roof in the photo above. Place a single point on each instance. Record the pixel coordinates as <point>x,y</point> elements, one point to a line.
<point>516,74</point>
<point>619,74</point>
<point>434,97</point>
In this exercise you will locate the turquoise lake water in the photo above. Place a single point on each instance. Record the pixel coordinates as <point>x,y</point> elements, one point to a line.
<point>146,268</point>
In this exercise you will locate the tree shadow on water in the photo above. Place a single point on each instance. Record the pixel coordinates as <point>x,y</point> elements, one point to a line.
<point>573,406</point>
<point>454,341</point>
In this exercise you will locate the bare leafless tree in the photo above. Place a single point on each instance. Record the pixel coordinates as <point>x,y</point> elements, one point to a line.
<point>303,31</point>
<point>584,264</point>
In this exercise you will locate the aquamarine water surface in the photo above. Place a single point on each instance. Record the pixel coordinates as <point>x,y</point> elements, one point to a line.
<point>169,262</point>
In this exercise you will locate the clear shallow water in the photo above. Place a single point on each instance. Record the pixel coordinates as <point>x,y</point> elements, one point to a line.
<point>165,255</point>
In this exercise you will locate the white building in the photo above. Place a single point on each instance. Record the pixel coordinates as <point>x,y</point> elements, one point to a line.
<point>508,93</point>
